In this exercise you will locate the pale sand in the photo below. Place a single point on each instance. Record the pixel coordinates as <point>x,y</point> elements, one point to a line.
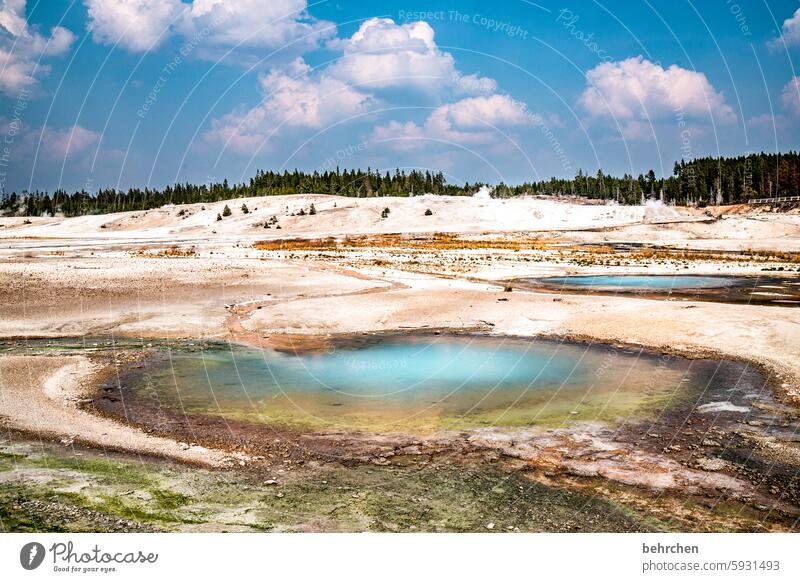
<point>38,394</point>
<point>734,228</point>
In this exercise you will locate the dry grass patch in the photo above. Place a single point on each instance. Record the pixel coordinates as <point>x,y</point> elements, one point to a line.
<point>173,251</point>
<point>438,241</point>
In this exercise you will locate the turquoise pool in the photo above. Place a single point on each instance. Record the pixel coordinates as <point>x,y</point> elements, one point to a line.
<point>421,383</point>
<point>644,282</point>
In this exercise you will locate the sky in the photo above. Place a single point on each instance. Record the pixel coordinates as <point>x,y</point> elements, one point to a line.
<point>144,93</point>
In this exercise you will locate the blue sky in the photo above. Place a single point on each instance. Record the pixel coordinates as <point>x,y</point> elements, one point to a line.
<point>120,93</point>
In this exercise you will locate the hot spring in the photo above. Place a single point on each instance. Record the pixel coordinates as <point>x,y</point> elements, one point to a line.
<point>644,282</point>
<point>761,290</point>
<point>425,383</point>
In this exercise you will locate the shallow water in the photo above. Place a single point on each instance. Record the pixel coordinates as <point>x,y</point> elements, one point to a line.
<point>426,383</point>
<point>750,290</point>
<point>644,282</point>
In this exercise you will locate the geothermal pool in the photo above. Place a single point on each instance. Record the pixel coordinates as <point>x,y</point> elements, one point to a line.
<point>425,383</point>
<point>761,290</point>
<point>646,282</point>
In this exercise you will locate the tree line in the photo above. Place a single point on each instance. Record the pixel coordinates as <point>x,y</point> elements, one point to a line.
<point>700,182</point>
<point>697,182</point>
<point>354,183</point>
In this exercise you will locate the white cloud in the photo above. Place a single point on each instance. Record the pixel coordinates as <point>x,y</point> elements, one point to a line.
<point>636,91</point>
<point>60,41</point>
<point>400,136</point>
<point>59,144</point>
<point>379,55</point>
<point>763,120</point>
<point>790,97</point>
<point>790,35</point>
<point>256,23</point>
<point>475,120</point>
<point>52,144</point>
<point>22,48</point>
<point>383,55</point>
<point>479,112</point>
<point>772,123</point>
<point>293,98</point>
<point>12,17</point>
<point>139,25</point>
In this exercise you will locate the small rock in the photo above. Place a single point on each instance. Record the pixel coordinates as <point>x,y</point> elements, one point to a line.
<point>490,525</point>
<point>271,482</point>
<point>708,464</point>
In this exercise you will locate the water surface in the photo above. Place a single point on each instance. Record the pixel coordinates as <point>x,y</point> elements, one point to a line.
<point>645,282</point>
<point>760,290</point>
<point>424,383</point>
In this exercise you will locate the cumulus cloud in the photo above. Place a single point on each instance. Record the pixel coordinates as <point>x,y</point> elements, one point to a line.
<point>293,98</point>
<point>790,34</point>
<point>478,112</point>
<point>49,144</point>
<point>22,48</point>
<point>12,17</point>
<point>402,136</point>
<point>473,120</point>
<point>636,91</point>
<point>383,55</point>
<point>790,102</point>
<point>139,25</point>
<point>59,144</point>
<point>380,55</point>
<point>790,97</point>
<point>255,23</point>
